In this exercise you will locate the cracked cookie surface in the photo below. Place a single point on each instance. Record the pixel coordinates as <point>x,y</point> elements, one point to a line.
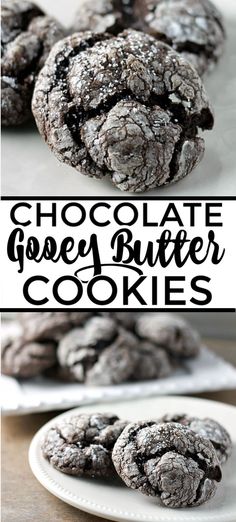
<point>50,325</point>
<point>208,428</point>
<point>127,107</point>
<point>168,461</point>
<point>27,37</point>
<point>23,359</point>
<point>82,444</point>
<point>103,353</point>
<point>100,16</point>
<point>170,332</point>
<point>192,27</point>
<point>100,353</point>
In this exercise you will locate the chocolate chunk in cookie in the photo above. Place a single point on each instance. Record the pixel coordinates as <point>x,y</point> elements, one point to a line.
<point>168,461</point>
<point>208,428</point>
<point>170,332</point>
<point>26,39</point>
<point>82,444</point>
<point>127,107</point>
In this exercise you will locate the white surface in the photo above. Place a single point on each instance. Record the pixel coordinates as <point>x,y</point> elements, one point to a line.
<point>29,168</point>
<point>113,500</point>
<point>205,373</point>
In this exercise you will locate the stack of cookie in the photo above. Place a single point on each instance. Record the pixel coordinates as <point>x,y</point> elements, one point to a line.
<point>98,349</point>
<point>121,96</point>
<point>176,459</point>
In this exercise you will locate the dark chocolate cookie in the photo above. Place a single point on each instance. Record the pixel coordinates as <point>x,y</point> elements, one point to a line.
<point>50,325</point>
<point>168,461</point>
<point>100,353</point>
<point>152,362</point>
<point>80,348</point>
<point>26,39</point>
<point>208,428</point>
<point>117,363</point>
<point>192,27</point>
<point>103,353</point>
<point>170,332</point>
<point>23,359</point>
<point>100,17</point>
<point>128,107</point>
<point>82,445</point>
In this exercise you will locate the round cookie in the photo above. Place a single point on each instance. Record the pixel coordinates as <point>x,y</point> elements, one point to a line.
<point>170,332</point>
<point>168,461</point>
<point>208,428</point>
<point>23,359</point>
<point>103,353</point>
<point>80,348</point>
<point>82,444</point>
<point>152,362</point>
<point>49,325</point>
<point>117,363</point>
<point>128,107</point>
<point>99,17</point>
<point>192,27</point>
<point>26,39</point>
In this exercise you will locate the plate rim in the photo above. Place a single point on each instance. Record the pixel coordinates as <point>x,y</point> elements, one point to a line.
<point>80,503</point>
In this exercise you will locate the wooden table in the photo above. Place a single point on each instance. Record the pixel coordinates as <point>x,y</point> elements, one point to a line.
<point>24,499</point>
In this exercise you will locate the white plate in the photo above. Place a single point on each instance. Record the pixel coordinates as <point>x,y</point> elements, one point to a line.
<point>205,373</point>
<point>29,168</point>
<point>112,499</point>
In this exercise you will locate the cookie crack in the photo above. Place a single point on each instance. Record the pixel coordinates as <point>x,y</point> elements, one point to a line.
<point>90,360</point>
<point>210,472</point>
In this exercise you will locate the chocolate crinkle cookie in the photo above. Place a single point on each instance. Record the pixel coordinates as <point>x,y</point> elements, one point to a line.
<point>117,363</point>
<point>168,461</point>
<point>98,353</point>
<point>26,359</point>
<point>27,36</point>
<point>208,428</point>
<point>152,362</point>
<point>50,325</point>
<point>170,332</point>
<point>193,28</point>
<point>100,16</point>
<point>128,107</point>
<point>103,353</point>
<point>128,360</point>
<point>125,319</point>
<point>82,444</point>
<point>80,348</point>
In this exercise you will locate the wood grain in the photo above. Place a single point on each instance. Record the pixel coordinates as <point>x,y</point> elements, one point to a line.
<point>24,499</point>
